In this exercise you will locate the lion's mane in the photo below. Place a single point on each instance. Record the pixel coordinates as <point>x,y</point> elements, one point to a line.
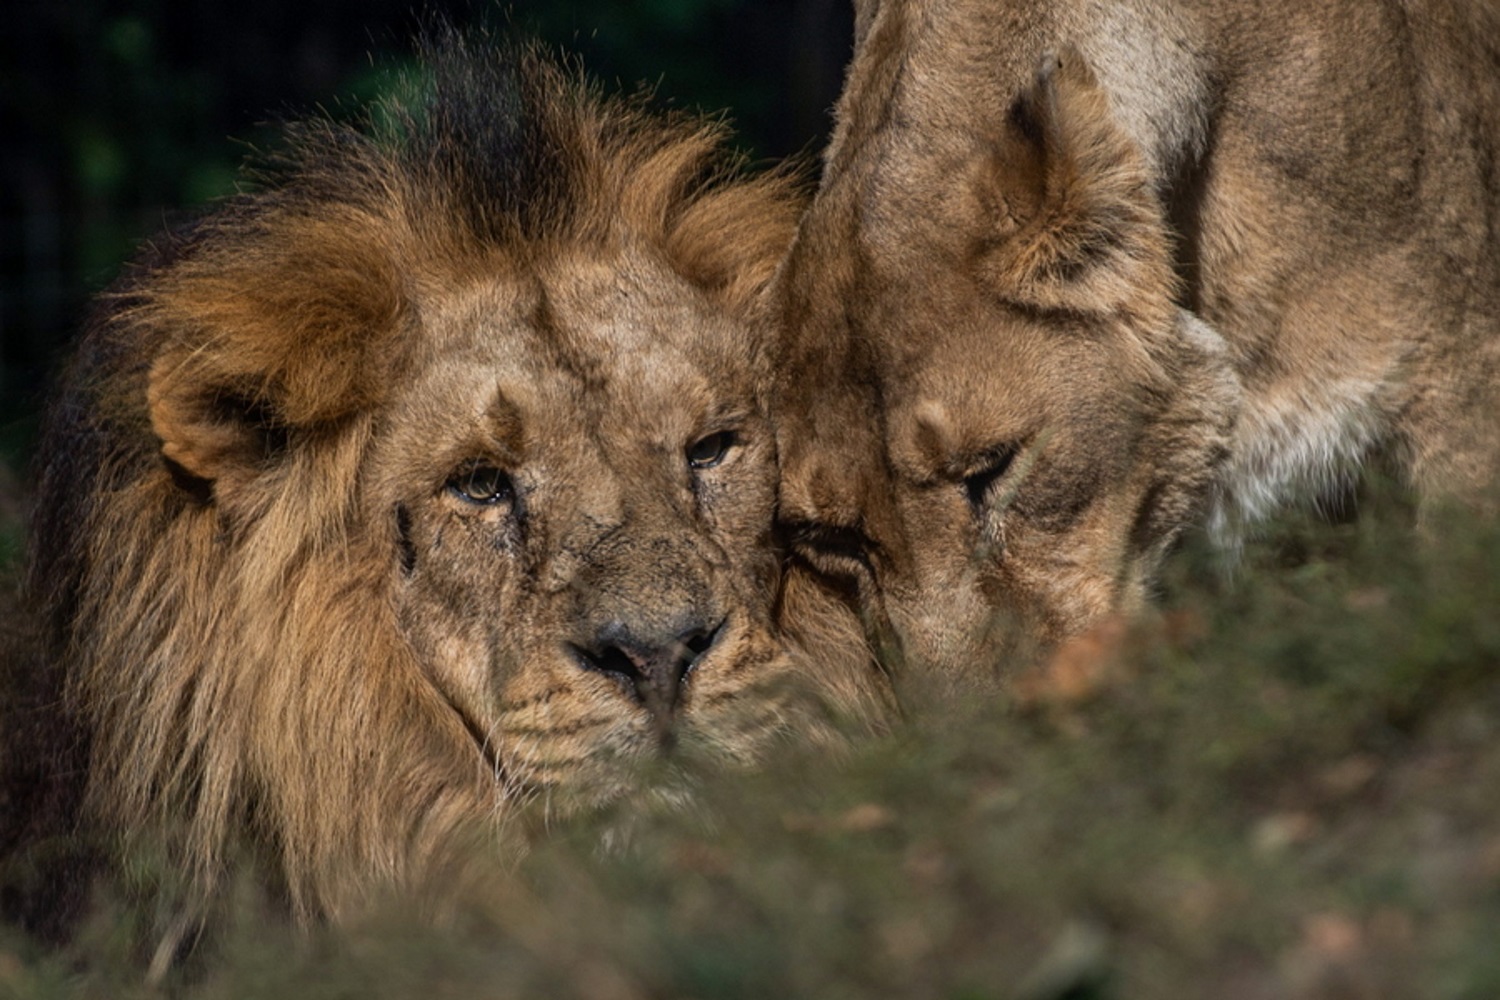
<point>230,672</point>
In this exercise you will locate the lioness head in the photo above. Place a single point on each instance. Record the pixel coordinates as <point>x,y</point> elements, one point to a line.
<point>432,477</point>
<point>993,418</point>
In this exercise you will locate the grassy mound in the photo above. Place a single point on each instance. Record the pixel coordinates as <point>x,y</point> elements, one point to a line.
<point>1283,783</point>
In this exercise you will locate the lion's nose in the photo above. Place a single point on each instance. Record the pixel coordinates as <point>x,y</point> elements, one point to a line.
<point>651,665</point>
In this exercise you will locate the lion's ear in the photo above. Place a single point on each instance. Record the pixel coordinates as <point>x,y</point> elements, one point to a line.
<point>1073,220</point>
<point>210,431</point>
<point>224,427</point>
<point>266,341</point>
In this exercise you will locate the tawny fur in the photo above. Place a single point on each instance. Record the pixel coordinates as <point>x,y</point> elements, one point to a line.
<point>269,620</point>
<point>1184,262</point>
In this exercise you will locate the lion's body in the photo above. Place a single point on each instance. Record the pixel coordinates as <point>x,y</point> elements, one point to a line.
<point>431,478</point>
<point>1251,251</point>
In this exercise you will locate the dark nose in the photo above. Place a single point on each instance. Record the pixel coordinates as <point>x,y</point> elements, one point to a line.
<point>650,664</point>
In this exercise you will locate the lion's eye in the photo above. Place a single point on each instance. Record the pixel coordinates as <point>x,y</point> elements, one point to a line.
<point>979,484</point>
<point>833,550</point>
<point>708,452</point>
<point>481,484</point>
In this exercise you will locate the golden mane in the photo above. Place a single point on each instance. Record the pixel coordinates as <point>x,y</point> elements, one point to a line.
<point>234,667</point>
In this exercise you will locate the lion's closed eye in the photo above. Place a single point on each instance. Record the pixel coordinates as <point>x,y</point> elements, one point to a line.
<point>838,551</point>
<point>980,486</point>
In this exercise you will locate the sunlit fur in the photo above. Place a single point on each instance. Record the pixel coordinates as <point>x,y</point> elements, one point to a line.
<point>267,622</point>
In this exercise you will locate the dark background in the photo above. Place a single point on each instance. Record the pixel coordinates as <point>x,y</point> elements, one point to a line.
<point>116,117</point>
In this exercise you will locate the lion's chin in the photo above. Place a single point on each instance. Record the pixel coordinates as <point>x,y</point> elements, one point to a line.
<point>611,800</point>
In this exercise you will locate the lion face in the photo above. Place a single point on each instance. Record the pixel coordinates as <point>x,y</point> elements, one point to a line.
<point>582,485</point>
<point>994,504</point>
<point>994,420</point>
<point>431,479</point>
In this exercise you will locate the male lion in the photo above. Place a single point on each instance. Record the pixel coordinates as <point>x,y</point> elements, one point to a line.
<point>431,477</point>
<point>1080,275</point>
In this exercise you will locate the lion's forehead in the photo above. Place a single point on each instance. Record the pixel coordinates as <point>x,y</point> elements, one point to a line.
<point>607,354</point>
<point>959,398</point>
<point>589,317</point>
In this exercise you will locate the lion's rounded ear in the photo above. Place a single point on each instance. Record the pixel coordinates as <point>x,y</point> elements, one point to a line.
<point>1073,218</point>
<point>211,429</point>
<point>265,339</point>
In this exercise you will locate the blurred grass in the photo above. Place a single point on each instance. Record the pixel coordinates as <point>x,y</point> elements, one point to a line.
<point>1285,784</point>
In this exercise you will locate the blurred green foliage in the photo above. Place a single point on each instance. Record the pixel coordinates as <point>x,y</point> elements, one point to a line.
<point>1278,784</point>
